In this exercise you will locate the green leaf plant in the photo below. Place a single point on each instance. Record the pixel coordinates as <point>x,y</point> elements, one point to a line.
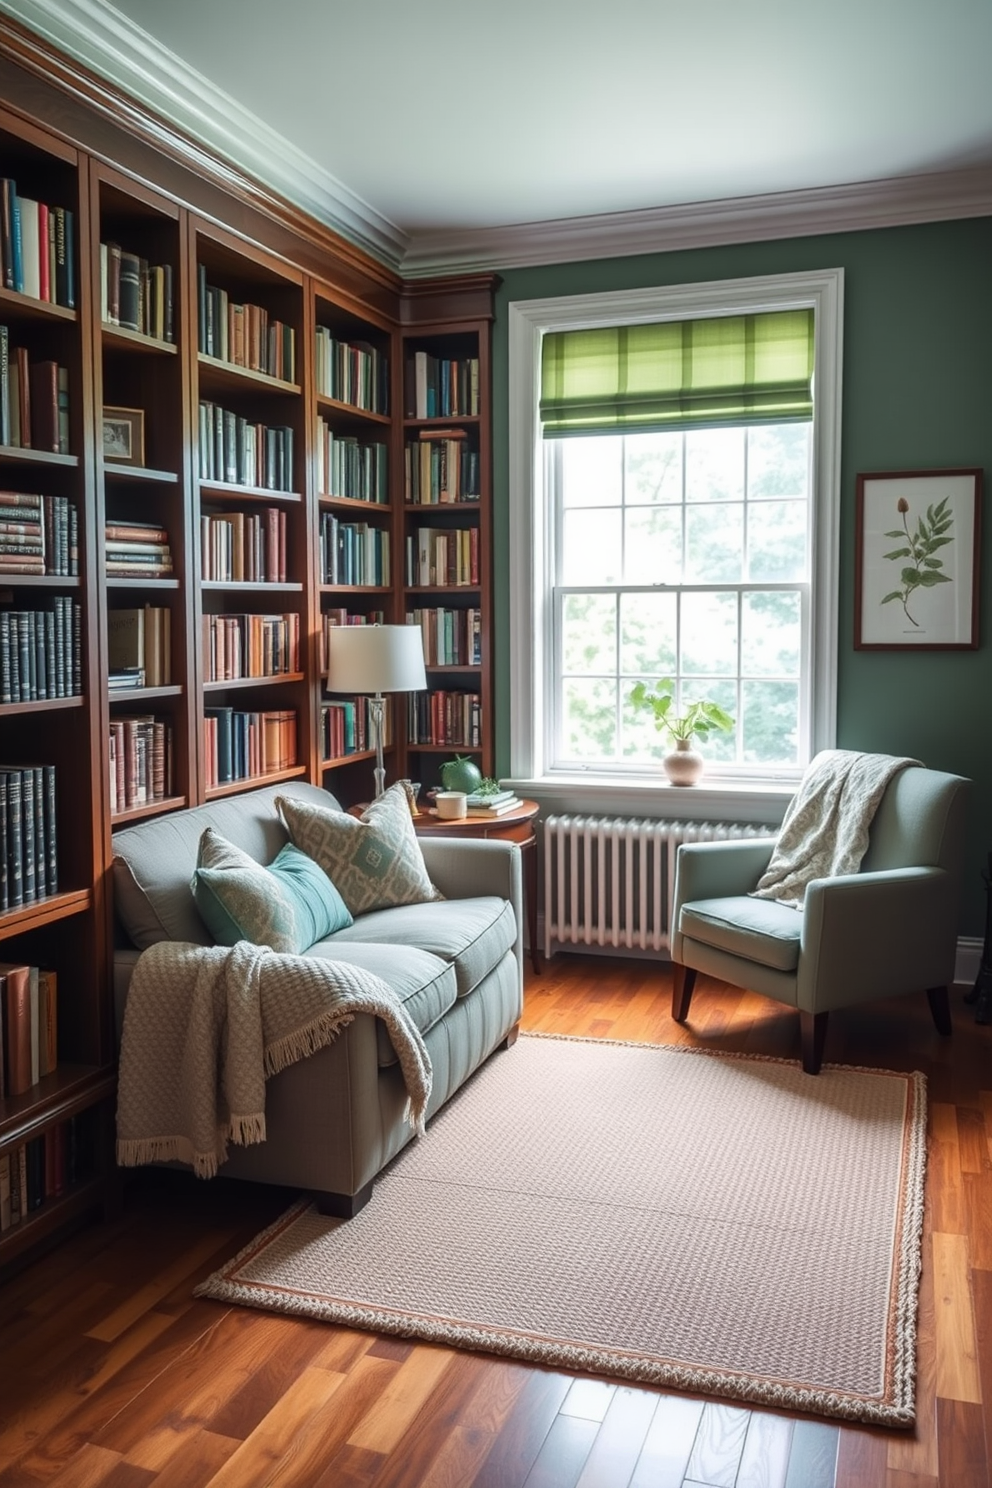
<point>702,717</point>
<point>919,546</point>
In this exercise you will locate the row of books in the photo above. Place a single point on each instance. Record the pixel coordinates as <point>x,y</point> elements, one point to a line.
<point>29,860</point>
<point>442,557</point>
<point>353,552</point>
<point>244,547</point>
<point>242,453</point>
<point>441,387</point>
<point>135,294</point>
<point>346,727</point>
<point>244,335</point>
<point>338,615</point>
<point>38,535</point>
<point>28,1025</point>
<point>140,761</point>
<point>241,745</point>
<point>445,719</point>
<point>139,647</point>
<point>352,372</point>
<point>236,646</point>
<point>41,651</point>
<point>37,247</point>
<point>44,1167</point>
<point>440,469</point>
<point>137,550</point>
<point>451,637</point>
<point>349,467</point>
<point>34,400</point>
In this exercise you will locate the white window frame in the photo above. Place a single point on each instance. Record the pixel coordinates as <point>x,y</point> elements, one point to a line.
<point>530,539</point>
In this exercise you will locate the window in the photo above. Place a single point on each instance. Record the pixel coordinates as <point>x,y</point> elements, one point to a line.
<point>702,550</point>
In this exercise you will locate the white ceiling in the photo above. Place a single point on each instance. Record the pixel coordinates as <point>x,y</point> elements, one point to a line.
<point>438,120</point>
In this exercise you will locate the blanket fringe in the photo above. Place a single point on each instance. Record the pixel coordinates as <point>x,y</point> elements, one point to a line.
<point>303,1042</point>
<point>138,1151</point>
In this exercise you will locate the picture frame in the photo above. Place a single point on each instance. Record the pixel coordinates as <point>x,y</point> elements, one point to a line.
<point>916,577</point>
<point>124,435</point>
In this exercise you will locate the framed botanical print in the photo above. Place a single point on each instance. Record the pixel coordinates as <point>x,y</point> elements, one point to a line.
<point>917,559</point>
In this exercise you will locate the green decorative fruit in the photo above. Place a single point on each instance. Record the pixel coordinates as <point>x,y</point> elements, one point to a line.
<point>461,774</point>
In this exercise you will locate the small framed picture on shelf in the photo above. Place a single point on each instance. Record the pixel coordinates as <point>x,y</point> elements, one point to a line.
<point>917,560</point>
<point>124,435</point>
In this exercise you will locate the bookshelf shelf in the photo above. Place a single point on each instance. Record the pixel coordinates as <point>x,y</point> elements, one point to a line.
<point>42,705</point>
<point>253,782</point>
<point>137,475</point>
<point>218,374</point>
<point>228,490</point>
<point>26,307</point>
<point>17,455</point>
<point>45,911</point>
<point>128,340</point>
<point>233,684</point>
<point>151,808</point>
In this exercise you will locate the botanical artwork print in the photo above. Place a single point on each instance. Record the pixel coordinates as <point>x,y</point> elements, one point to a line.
<point>921,568</point>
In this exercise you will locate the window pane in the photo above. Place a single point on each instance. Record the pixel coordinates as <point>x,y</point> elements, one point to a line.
<point>648,635</point>
<point>771,635</point>
<point>591,551</point>
<point>770,718</point>
<point>714,465</point>
<point>718,747</point>
<point>714,544</point>
<point>709,634</point>
<point>589,633</point>
<point>776,541</point>
<point>778,460</point>
<point>654,468</point>
<point>653,545</point>
<point>641,739</point>
<point>589,725</point>
<point>592,471</point>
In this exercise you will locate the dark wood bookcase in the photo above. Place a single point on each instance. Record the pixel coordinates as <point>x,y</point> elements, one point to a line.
<point>261,556</point>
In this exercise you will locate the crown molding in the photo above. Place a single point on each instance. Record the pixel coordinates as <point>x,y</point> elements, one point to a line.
<point>109,44</point>
<point>98,37</point>
<point>896,202</point>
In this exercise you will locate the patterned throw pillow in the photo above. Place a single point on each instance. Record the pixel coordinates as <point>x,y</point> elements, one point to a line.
<point>289,906</point>
<point>374,860</point>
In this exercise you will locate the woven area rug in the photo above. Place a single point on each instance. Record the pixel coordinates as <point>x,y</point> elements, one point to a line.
<point>703,1221</point>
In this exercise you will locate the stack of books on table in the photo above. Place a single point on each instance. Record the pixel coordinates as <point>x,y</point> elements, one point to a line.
<point>496,804</point>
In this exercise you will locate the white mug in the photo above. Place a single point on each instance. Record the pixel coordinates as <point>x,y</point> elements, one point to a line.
<point>451,805</point>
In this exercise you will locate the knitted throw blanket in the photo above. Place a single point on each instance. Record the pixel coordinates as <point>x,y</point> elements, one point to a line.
<point>205,1025</point>
<point>826,824</point>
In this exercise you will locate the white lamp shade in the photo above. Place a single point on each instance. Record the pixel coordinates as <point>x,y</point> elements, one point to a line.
<point>375,658</point>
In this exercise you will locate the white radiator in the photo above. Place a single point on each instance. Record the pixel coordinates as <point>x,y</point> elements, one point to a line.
<point>608,880</point>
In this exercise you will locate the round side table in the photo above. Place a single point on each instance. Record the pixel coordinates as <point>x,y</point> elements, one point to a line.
<point>516,826</point>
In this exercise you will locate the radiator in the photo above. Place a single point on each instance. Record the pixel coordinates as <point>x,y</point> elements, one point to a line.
<point>608,880</point>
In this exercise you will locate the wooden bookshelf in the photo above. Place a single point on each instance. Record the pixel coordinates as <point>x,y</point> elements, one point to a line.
<point>188,224</point>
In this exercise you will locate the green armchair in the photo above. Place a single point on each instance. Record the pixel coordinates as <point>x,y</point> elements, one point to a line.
<point>889,928</point>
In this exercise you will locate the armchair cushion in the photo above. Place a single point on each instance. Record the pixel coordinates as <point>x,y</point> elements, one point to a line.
<point>761,930</point>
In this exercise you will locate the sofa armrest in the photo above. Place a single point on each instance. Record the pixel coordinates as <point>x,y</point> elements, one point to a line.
<point>467,868</point>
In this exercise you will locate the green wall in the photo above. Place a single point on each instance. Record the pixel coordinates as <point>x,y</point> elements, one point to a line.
<point>917,395</point>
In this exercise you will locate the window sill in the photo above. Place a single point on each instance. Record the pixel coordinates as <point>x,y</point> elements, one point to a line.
<point>762,802</point>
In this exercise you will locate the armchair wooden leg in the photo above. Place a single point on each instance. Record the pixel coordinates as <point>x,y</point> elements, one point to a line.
<point>684,981</point>
<point>813,1028</point>
<point>940,1009</point>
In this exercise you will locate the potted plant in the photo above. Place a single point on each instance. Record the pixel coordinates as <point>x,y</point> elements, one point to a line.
<point>683,764</point>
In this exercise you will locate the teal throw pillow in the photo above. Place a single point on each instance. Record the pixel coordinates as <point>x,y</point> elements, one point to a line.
<point>289,905</point>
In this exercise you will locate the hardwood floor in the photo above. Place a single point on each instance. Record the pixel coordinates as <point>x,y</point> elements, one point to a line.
<point>112,1374</point>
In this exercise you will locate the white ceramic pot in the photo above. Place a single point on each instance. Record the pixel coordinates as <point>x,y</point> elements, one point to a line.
<point>451,805</point>
<point>683,764</point>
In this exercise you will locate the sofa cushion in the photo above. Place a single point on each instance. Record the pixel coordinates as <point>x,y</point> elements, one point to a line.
<point>761,930</point>
<point>288,905</point>
<point>472,934</point>
<point>154,860</point>
<point>374,861</point>
<point>425,984</point>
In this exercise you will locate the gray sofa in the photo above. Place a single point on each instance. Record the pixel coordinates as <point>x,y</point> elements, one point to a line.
<point>336,1118</point>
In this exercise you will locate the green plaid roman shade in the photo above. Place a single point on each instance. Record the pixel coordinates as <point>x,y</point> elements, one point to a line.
<point>678,375</point>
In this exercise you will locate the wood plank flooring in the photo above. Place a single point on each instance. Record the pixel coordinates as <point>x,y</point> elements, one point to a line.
<point>111,1374</point>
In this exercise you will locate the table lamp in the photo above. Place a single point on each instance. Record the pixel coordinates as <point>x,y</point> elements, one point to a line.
<point>374,659</point>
